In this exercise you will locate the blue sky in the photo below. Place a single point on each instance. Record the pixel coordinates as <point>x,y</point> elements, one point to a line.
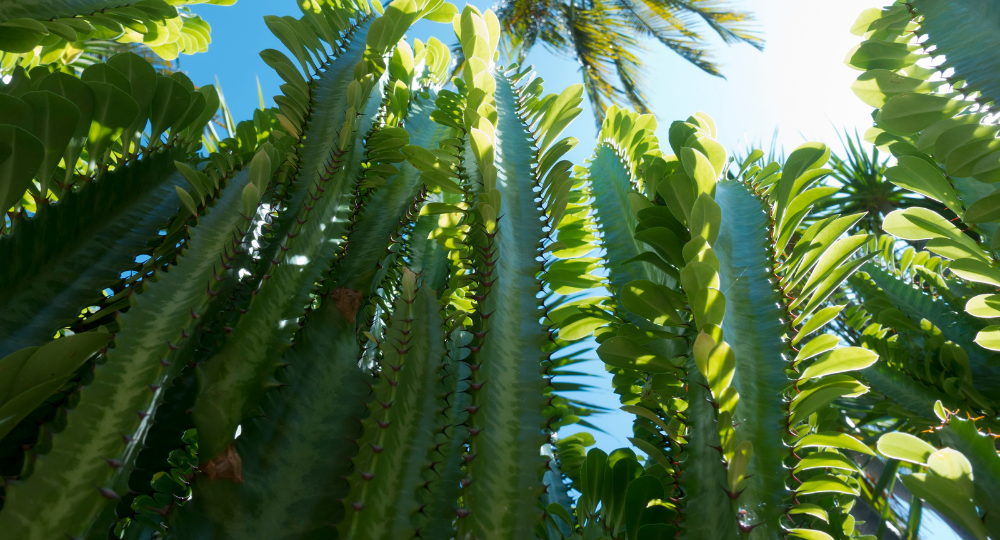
<point>799,85</point>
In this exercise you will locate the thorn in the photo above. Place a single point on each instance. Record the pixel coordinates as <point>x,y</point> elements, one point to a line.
<point>109,494</point>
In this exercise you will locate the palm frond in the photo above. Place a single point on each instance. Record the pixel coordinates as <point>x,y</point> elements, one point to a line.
<point>628,73</point>
<point>593,34</point>
<point>864,187</point>
<point>732,26</point>
<point>654,20</point>
<point>603,36</point>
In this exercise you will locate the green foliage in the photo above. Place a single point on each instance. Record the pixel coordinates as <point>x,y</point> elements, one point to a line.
<point>41,32</point>
<point>355,315</point>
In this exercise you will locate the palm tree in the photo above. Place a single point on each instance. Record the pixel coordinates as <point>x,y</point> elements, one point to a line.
<point>864,187</point>
<point>605,37</point>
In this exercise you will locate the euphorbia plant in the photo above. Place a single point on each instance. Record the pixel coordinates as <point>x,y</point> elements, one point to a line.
<point>354,317</point>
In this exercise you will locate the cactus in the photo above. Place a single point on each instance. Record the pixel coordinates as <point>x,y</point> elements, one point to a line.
<point>354,316</point>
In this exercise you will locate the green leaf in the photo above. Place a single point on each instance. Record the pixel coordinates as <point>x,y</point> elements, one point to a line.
<point>814,242</point>
<point>984,305</point>
<point>922,224</point>
<point>807,157</point>
<point>103,73</point>
<point>737,469</point>
<point>401,64</point>
<point>624,353</point>
<point>114,111</point>
<point>929,136</point>
<point>27,154</point>
<point>57,360</point>
<point>707,145</point>
<point>10,365</point>
<point>708,306</point>
<point>840,361</point>
<point>964,436</point>
<point>16,112</point>
<point>560,113</point>
<point>976,270</point>
<point>817,345</point>
<point>825,484</point>
<point>875,86</point>
<point>651,416</point>
<point>808,509</point>
<point>817,321</point>
<point>918,175</point>
<point>592,478</point>
<point>984,210</point>
<point>445,13</point>
<point>948,499</point>
<point>640,491</point>
<point>914,112</point>
<point>618,475</point>
<point>951,464</point>
<point>77,92</point>
<point>41,372</point>
<point>664,242</point>
<point>877,54</point>
<point>833,267</point>
<point>649,301</point>
<point>821,393</point>
<point>823,460</point>
<point>706,215</point>
<point>18,407</point>
<point>719,368</point>
<point>797,210</point>
<point>169,103</point>
<point>699,168</point>
<point>142,83</point>
<point>989,338</point>
<point>809,534</point>
<point>18,40</point>
<point>833,440</point>
<point>904,447</point>
<point>55,121</point>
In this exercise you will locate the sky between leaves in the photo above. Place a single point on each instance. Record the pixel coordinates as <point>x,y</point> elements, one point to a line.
<point>798,86</point>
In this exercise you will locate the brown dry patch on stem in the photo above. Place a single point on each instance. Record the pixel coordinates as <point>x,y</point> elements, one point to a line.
<point>348,301</point>
<point>228,466</point>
